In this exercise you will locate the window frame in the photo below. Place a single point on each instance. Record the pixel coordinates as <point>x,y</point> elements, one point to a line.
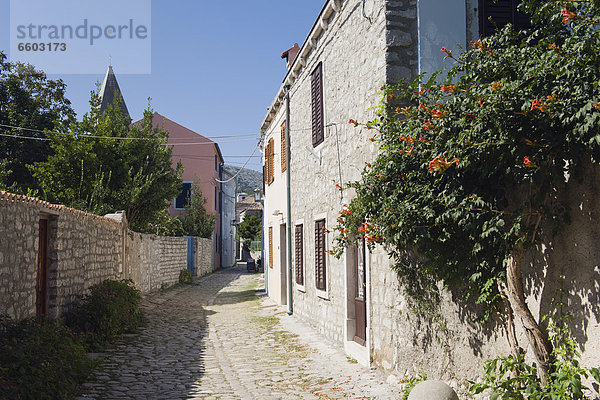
<point>320,247</point>
<point>299,272</point>
<point>317,106</point>
<point>191,183</point>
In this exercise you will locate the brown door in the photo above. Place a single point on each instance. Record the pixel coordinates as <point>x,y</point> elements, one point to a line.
<point>360,301</point>
<point>41,302</point>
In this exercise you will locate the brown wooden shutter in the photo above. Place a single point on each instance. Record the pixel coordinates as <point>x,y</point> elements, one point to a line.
<point>271,161</point>
<point>283,147</point>
<point>264,176</point>
<point>270,247</point>
<point>320,267</point>
<point>318,126</point>
<point>299,242</point>
<point>501,12</point>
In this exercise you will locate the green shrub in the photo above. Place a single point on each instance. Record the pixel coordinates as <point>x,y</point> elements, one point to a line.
<point>40,359</point>
<point>111,308</point>
<point>512,378</point>
<point>185,276</point>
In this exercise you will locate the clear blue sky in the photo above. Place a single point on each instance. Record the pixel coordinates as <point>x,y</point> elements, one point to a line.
<point>216,65</point>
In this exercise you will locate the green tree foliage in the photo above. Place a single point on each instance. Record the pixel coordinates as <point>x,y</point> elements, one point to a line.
<point>195,220</point>
<point>40,358</point>
<point>104,164</point>
<point>28,100</point>
<point>111,308</point>
<point>250,228</point>
<point>471,170</point>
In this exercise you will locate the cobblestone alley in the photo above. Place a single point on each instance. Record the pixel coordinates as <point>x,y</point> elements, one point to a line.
<point>217,340</point>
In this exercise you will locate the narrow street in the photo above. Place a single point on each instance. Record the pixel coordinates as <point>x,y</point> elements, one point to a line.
<point>216,339</point>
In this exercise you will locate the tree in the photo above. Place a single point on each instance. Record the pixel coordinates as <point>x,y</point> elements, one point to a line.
<point>104,164</point>
<point>471,171</point>
<point>195,220</point>
<point>250,229</point>
<point>28,100</point>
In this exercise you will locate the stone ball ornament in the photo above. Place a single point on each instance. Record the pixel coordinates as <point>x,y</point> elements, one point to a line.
<point>432,390</point>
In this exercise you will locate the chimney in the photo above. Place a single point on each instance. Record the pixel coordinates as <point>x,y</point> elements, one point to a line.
<point>291,54</point>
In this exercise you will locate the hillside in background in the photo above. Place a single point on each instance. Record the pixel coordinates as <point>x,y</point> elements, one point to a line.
<point>248,180</point>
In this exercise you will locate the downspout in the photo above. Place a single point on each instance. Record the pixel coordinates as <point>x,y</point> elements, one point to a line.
<point>289,204</point>
<point>221,213</point>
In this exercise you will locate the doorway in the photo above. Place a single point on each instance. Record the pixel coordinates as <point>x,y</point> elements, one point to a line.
<point>360,299</point>
<point>41,287</point>
<point>283,262</point>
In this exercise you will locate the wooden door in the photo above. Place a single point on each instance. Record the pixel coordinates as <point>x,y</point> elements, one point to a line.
<point>41,302</point>
<point>360,301</point>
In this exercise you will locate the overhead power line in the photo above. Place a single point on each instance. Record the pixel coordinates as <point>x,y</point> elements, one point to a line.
<point>244,166</point>
<point>252,135</point>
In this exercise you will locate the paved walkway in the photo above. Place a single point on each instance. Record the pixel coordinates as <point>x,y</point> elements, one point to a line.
<point>217,340</point>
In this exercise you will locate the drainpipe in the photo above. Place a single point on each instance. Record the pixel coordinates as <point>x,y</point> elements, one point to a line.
<point>289,204</point>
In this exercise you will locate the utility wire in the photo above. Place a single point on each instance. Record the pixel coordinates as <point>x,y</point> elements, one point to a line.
<point>241,169</point>
<point>253,135</point>
<point>118,138</point>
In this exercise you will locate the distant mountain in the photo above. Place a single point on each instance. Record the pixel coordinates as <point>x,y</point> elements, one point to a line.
<point>248,180</point>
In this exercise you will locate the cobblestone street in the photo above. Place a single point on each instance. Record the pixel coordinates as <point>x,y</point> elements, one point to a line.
<point>217,340</point>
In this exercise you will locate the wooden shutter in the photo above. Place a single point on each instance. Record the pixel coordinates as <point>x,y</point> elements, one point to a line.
<point>299,242</point>
<point>320,267</point>
<point>264,176</point>
<point>283,147</point>
<point>318,126</point>
<point>270,247</point>
<point>271,161</point>
<point>501,12</point>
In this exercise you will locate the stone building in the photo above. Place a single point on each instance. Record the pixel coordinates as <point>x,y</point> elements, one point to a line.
<point>353,49</point>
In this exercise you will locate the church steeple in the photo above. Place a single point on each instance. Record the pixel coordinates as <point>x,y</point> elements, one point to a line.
<point>108,92</point>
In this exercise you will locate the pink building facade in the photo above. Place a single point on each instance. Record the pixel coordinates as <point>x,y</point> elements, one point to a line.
<point>202,162</point>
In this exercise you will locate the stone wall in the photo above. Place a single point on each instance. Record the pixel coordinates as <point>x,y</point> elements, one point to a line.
<point>84,249</point>
<point>204,259</point>
<point>154,261</point>
<point>365,45</point>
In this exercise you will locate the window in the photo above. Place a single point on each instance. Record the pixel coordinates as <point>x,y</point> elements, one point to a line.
<point>318,134</point>
<point>283,147</point>
<point>320,267</point>
<point>501,12</point>
<point>270,247</point>
<point>269,167</point>
<point>299,253</point>
<point>184,197</point>
<point>216,163</point>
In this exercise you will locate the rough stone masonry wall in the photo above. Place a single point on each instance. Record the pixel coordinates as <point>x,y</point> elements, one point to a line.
<point>154,261</point>
<point>449,344</point>
<point>352,51</point>
<point>84,250</point>
<point>204,257</point>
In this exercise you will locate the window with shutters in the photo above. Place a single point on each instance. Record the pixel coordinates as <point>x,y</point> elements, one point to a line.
<point>283,147</point>
<point>270,247</point>
<point>269,167</point>
<point>271,161</point>
<point>320,267</point>
<point>299,254</point>
<point>501,12</point>
<point>318,125</point>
